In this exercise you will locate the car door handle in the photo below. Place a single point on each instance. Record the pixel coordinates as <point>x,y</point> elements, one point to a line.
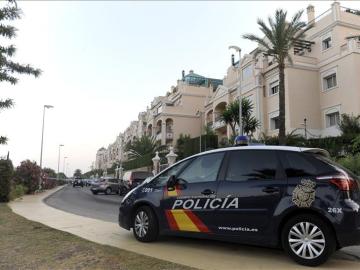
<point>271,190</point>
<point>207,192</point>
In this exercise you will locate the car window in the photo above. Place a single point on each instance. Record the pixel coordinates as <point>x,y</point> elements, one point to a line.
<point>163,177</point>
<point>247,165</point>
<point>203,169</point>
<point>297,164</point>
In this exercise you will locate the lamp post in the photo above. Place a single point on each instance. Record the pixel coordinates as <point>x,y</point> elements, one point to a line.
<point>57,177</point>
<point>42,138</point>
<point>305,128</point>
<point>236,48</point>
<point>199,114</point>
<point>64,164</point>
<point>42,132</point>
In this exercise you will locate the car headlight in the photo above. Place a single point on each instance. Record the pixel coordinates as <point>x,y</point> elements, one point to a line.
<point>128,194</point>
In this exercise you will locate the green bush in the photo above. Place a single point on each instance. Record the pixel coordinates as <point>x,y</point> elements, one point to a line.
<point>17,191</point>
<point>351,162</point>
<point>28,174</point>
<point>6,173</point>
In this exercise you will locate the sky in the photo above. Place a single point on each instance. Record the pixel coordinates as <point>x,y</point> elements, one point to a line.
<point>104,62</point>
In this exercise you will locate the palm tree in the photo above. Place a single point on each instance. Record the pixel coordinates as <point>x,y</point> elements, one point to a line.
<point>139,147</point>
<point>231,116</point>
<point>280,36</point>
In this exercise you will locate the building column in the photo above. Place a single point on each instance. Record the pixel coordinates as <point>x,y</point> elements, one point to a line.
<point>163,132</point>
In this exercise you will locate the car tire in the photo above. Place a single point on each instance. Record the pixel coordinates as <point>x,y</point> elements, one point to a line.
<point>108,191</point>
<point>308,240</point>
<point>145,225</point>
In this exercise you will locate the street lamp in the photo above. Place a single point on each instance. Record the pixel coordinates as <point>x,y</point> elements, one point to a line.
<point>64,164</point>
<point>199,114</point>
<point>42,132</point>
<point>236,48</point>
<point>57,177</point>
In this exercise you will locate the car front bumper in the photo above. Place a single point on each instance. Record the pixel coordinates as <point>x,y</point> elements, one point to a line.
<point>124,218</point>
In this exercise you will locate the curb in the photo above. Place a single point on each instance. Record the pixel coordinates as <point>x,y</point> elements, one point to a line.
<point>52,193</point>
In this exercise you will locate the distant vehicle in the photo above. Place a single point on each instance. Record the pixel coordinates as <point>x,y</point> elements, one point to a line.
<point>132,179</point>
<point>107,186</point>
<point>78,182</point>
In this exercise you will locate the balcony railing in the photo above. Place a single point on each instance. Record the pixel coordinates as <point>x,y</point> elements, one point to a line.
<point>219,124</point>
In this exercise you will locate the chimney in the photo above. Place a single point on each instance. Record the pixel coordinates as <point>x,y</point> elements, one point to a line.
<point>183,75</point>
<point>310,14</point>
<point>233,60</point>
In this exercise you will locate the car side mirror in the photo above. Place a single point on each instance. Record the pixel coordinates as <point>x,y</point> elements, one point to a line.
<point>172,181</point>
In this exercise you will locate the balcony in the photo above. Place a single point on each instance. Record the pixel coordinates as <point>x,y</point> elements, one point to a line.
<point>219,124</point>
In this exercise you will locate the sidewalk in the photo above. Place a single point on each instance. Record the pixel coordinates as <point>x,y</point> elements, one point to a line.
<point>200,254</point>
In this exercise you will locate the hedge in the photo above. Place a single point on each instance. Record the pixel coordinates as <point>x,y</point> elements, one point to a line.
<point>143,161</point>
<point>192,146</point>
<point>6,173</point>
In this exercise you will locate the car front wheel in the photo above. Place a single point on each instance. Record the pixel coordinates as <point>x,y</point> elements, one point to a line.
<point>145,226</point>
<point>308,240</point>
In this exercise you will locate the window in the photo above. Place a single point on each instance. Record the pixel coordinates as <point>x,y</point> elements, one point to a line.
<point>332,119</point>
<point>247,165</point>
<point>246,72</point>
<point>303,165</point>
<point>330,81</point>
<point>326,43</point>
<point>274,88</point>
<point>203,169</point>
<point>163,178</point>
<point>274,123</point>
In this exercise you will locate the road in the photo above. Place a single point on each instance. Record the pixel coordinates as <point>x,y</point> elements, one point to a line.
<point>81,201</point>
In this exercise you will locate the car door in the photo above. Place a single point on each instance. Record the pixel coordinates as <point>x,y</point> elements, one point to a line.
<point>253,184</point>
<point>187,204</point>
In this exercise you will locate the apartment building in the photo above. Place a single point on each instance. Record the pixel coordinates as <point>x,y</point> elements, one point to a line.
<point>179,112</point>
<point>106,157</point>
<point>321,83</point>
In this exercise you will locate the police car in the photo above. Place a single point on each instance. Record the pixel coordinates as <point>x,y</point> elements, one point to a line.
<point>275,196</point>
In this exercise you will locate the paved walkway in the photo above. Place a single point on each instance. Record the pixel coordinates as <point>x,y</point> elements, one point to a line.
<point>200,254</point>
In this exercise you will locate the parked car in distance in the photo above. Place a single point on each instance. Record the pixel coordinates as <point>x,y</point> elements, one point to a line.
<point>132,179</point>
<point>293,198</point>
<point>105,185</point>
<point>78,182</point>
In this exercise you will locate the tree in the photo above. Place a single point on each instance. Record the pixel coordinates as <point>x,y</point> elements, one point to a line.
<point>350,125</point>
<point>28,174</point>
<point>77,173</point>
<point>231,116</point>
<point>280,36</point>
<point>8,68</point>
<point>140,147</point>
<point>49,172</point>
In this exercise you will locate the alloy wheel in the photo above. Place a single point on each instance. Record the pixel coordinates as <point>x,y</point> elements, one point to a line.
<point>141,225</point>
<point>306,240</point>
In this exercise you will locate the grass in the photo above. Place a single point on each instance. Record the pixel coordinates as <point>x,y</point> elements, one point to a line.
<point>30,245</point>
